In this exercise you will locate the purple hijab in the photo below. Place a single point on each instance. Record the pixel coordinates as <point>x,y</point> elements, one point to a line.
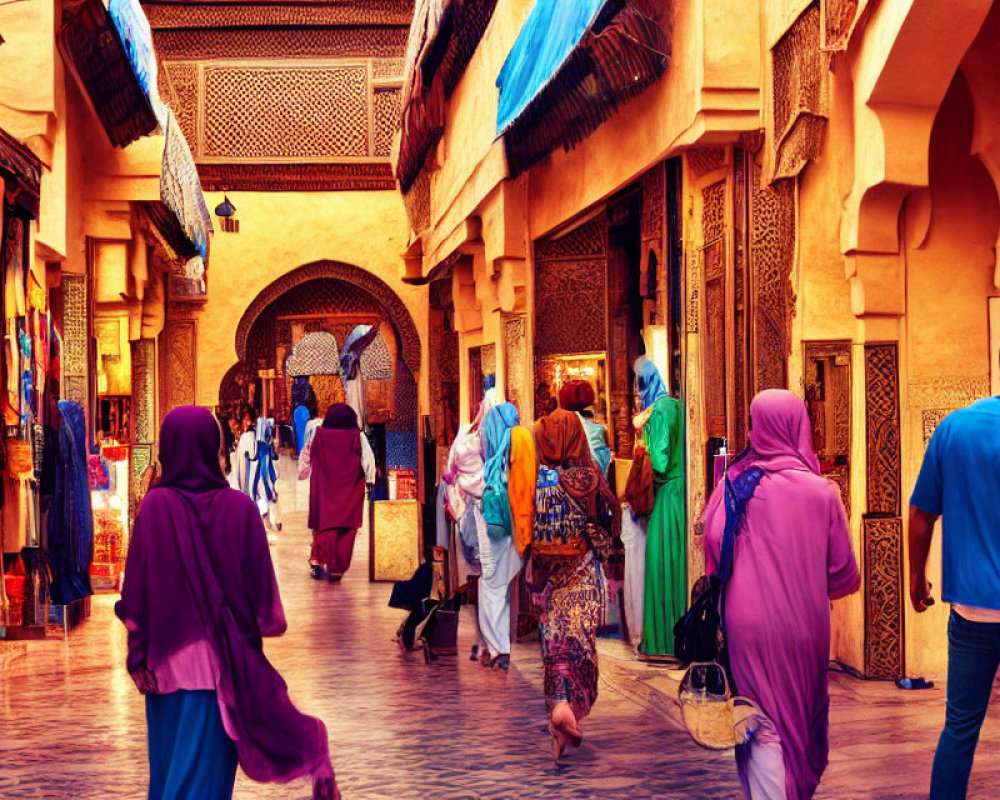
<point>199,596</point>
<point>337,482</point>
<point>780,435</point>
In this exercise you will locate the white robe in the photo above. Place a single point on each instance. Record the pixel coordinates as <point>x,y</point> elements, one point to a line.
<point>634,539</point>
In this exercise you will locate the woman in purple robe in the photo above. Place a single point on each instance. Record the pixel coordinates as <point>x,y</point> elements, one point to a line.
<point>199,596</point>
<point>793,553</point>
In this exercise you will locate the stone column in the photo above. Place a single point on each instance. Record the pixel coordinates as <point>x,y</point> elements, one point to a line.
<point>143,428</point>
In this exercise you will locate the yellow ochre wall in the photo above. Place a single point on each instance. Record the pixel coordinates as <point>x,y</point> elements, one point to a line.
<point>280,231</point>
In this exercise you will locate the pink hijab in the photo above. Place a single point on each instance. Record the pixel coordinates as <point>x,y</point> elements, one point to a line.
<point>780,435</point>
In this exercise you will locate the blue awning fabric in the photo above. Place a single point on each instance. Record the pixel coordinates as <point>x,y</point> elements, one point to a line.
<point>549,35</point>
<point>137,38</point>
<point>573,63</point>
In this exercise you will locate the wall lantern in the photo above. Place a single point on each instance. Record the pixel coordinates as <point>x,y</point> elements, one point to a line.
<point>225,211</point>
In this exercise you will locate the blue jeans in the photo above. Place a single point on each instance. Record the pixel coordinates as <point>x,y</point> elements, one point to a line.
<point>973,658</point>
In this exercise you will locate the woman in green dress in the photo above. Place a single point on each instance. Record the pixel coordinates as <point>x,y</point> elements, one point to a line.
<point>662,424</point>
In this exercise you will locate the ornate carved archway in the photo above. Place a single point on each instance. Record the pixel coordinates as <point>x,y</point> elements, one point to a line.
<point>409,338</point>
<point>893,117</point>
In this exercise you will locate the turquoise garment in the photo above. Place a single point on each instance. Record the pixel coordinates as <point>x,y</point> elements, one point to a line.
<point>190,755</point>
<point>547,37</point>
<point>495,435</point>
<point>650,383</point>
<point>597,438</point>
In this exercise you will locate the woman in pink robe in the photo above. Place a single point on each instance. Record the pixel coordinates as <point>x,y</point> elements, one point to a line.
<point>793,553</point>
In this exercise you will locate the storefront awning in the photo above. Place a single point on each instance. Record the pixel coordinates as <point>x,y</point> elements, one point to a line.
<point>22,174</point>
<point>443,36</point>
<point>179,220</point>
<point>111,52</point>
<point>573,64</point>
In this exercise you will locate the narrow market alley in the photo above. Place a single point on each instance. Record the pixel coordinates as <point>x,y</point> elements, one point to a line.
<point>73,724</point>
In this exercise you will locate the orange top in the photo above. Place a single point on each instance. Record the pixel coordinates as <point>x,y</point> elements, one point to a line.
<point>521,480</point>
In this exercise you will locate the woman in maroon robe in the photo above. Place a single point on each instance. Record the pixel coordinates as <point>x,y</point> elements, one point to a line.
<point>199,596</point>
<point>336,492</point>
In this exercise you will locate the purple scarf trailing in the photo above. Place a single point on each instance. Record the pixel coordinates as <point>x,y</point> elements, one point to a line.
<point>199,572</point>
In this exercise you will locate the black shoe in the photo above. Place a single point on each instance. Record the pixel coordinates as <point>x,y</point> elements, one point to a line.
<point>333,577</point>
<point>316,573</point>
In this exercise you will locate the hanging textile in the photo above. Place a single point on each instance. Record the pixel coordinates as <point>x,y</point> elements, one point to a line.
<point>547,38</point>
<point>70,528</point>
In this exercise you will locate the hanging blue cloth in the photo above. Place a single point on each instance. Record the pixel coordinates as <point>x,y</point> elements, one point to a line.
<point>651,386</point>
<point>262,466</point>
<point>547,37</point>
<point>300,417</point>
<point>71,526</point>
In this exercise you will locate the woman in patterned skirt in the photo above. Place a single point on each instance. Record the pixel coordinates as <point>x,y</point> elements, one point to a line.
<point>566,578</point>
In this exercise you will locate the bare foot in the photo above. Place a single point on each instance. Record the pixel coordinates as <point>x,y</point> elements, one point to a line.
<point>563,724</point>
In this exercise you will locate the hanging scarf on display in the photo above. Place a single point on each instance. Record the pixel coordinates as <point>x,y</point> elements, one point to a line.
<point>650,383</point>
<point>70,529</point>
<point>495,435</point>
<point>260,464</point>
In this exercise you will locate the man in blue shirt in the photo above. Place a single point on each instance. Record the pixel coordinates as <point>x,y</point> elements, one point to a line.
<point>960,481</point>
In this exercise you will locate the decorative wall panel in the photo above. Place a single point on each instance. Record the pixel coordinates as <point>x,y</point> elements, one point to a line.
<point>713,221</point>
<point>930,418</point>
<point>838,21</point>
<point>653,233</point>
<point>828,401</point>
<point>950,392</point>
<point>387,105</point>
<point>296,177</point>
<point>181,363</point>
<point>143,407</point>
<point>883,568</point>
<point>232,41</point>
<point>570,293</point>
<point>179,88</point>
<point>800,75</point>
<point>882,413</point>
<point>76,339</point>
<point>702,160</point>
<point>516,364</point>
<point>772,256</point>
<point>285,112</point>
<point>309,12</point>
<point>417,202</point>
<point>489,362</point>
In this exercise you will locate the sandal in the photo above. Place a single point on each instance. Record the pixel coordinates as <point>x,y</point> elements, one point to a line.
<point>501,662</point>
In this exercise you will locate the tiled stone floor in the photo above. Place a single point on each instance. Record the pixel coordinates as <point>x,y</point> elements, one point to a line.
<point>72,726</point>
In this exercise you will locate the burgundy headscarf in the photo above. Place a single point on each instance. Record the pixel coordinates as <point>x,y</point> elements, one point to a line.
<point>341,417</point>
<point>337,483</point>
<point>780,435</point>
<point>576,395</point>
<point>190,445</point>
